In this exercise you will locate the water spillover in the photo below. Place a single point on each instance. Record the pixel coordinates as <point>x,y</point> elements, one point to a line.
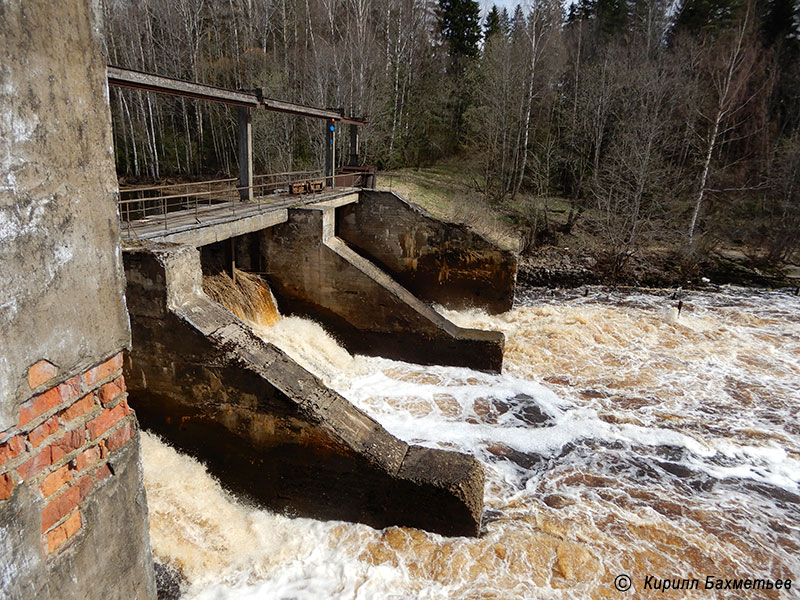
<point>620,439</point>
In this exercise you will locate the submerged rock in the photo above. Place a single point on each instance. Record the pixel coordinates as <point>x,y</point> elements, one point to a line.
<point>169,581</point>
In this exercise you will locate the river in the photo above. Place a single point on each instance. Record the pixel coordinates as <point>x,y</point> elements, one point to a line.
<point>622,438</point>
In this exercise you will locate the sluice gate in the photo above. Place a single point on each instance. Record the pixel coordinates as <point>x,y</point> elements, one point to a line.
<point>268,428</point>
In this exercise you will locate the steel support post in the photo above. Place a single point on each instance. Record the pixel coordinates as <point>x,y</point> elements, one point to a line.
<point>353,162</point>
<point>245,154</point>
<point>330,152</point>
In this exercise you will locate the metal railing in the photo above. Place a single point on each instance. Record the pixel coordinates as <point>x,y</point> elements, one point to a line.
<point>143,203</point>
<point>157,204</point>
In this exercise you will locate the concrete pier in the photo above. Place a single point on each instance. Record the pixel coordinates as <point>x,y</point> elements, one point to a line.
<point>73,512</point>
<point>314,273</point>
<point>265,426</point>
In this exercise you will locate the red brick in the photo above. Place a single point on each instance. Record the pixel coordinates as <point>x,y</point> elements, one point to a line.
<point>103,370</point>
<point>70,389</point>
<point>106,420</point>
<point>80,408</point>
<point>102,472</point>
<point>72,440</point>
<point>11,449</point>
<point>118,439</point>
<point>89,457</point>
<point>73,524</point>
<point>6,486</point>
<point>63,532</point>
<point>39,405</point>
<point>84,484</point>
<point>111,390</point>
<point>32,466</point>
<point>56,480</point>
<point>56,538</point>
<point>43,431</point>
<point>42,372</point>
<point>60,507</point>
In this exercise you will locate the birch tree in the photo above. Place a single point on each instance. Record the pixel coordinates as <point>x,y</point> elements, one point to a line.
<point>728,67</point>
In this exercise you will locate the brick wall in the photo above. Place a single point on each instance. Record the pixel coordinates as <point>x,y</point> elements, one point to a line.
<point>62,443</point>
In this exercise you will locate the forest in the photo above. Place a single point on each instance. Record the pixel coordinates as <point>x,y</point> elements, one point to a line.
<point>653,124</point>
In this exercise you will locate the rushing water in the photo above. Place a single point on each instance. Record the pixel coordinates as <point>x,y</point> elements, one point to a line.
<point>621,438</point>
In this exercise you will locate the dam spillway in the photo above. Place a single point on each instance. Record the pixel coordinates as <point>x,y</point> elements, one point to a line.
<point>272,431</point>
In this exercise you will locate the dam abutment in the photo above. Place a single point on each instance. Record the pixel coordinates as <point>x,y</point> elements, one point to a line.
<point>73,512</point>
<point>438,261</point>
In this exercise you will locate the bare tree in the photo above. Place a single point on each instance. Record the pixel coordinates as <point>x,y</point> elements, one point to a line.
<point>727,66</point>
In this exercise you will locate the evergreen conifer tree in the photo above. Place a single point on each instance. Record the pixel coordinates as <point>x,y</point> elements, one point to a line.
<point>701,16</point>
<point>460,24</point>
<point>491,25</point>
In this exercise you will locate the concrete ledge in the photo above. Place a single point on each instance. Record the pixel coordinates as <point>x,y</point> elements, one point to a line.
<point>266,427</point>
<point>201,234</point>
<point>316,274</point>
<point>440,262</point>
<point>336,202</point>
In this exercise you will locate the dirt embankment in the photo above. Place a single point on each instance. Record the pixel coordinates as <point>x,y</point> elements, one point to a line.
<point>562,267</point>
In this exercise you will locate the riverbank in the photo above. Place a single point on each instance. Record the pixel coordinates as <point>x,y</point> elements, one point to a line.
<point>555,267</point>
<point>580,257</point>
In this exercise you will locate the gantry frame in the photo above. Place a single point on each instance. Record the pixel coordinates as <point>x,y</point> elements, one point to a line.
<point>245,100</point>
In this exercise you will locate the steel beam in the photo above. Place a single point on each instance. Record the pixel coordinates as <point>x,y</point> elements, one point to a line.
<point>177,87</point>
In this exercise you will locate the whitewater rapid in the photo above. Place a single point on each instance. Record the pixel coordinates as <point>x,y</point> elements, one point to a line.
<point>621,438</point>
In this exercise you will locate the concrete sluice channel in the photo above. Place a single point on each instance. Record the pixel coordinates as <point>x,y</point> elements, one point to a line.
<point>620,439</point>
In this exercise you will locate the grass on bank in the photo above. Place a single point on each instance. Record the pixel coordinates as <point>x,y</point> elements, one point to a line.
<point>446,192</point>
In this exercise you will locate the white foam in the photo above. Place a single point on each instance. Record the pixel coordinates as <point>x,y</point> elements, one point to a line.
<point>621,384</point>
<point>309,345</point>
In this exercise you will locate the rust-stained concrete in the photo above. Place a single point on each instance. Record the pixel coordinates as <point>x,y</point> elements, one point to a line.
<point>437,261</point>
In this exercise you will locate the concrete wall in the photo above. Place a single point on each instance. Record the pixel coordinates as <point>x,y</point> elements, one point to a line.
<point>61,286</point>
<point>314,273</point>
<point>437,261</point>
<point>73,521</point>
<point>265,426</point>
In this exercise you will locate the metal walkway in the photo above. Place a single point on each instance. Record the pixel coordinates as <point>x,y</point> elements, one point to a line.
<point>209,223</point>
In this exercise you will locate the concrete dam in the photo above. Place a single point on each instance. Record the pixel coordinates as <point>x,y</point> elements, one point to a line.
<point>365,264</point>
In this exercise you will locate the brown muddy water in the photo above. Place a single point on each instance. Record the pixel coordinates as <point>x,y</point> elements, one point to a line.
<point>621,439</point>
